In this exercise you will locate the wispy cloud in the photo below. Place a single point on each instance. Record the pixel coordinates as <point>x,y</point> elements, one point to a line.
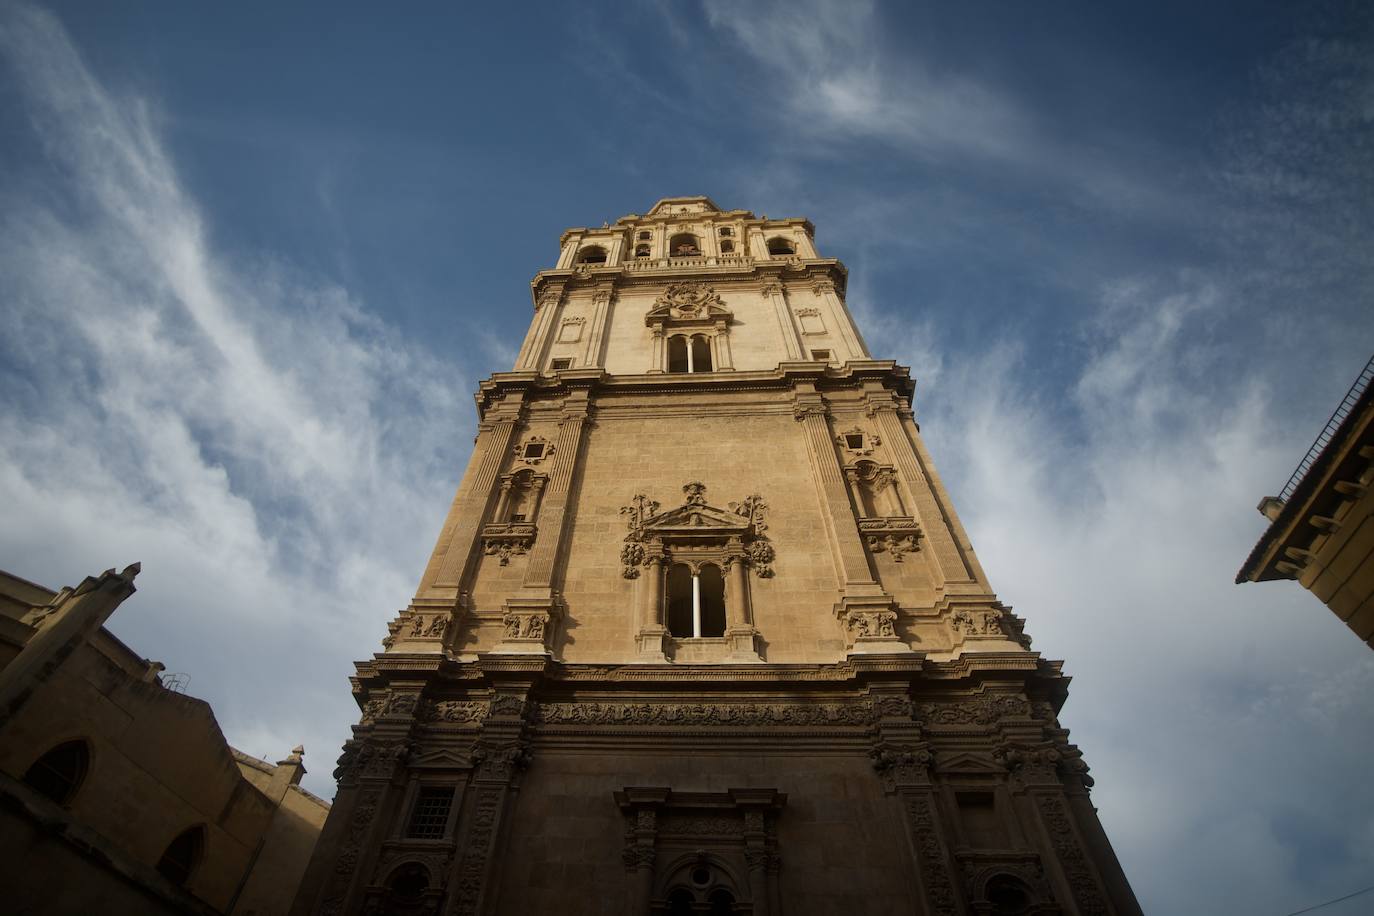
<point>273,453</point>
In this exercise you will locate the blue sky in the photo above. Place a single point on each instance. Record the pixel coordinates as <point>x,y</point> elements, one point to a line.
<point>254,259</point>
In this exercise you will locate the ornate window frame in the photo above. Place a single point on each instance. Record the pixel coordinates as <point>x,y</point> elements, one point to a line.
<point>893,533</point>
<point>695,534</point>
<point>688,309</point>
<point>503,537</point>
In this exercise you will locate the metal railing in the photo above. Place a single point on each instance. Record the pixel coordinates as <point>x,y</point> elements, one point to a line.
<point>1324,437</point>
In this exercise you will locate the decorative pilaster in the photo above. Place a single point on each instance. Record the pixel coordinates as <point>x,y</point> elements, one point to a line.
<point>934,523</point>
<point>499,756</point>
<point>553,512</point>
<point>825,289</point>
<point>864,610</point>
<point>773,292</point>
<point>602,301</point>
<point>450,569</point>
<point>546,310</point>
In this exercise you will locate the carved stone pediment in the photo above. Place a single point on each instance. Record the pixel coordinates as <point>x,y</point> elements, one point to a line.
<point>686,304</point>
<point>736,532</point>
<point>698,521</point>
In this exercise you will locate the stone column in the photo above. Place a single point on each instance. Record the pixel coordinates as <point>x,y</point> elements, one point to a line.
<point>787,325</point>
<point>724,359</point>
<point>453,557</point>
<point>659,347</point>
<point>502,501</point>
<point>547,307</point>
<point>601,305</point>
<point>739,614</point>
<point>649,595</point>
<point>825,289</point>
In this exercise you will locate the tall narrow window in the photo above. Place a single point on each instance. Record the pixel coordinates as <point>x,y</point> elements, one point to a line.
<point>429,817</point>
<point>701,354</point>
<point>183,855</point>
<point>677,354</point>
<point>60,772</point>
<point>680,602</point>
<point>711,601</point>
<point>695,602</point>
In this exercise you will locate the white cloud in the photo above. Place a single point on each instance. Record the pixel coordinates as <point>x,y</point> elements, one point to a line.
<point>273,453</point>
<point>1226,724</point>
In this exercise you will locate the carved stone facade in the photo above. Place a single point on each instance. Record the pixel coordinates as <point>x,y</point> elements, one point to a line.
<point>702,631</point>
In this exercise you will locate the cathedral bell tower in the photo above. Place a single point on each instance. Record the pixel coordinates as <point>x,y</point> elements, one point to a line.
<point>702,632</point>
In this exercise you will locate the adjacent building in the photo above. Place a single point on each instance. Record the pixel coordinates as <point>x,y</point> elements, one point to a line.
<point>1321,525</point>
<point>702,632</point>
<point>119,795</point>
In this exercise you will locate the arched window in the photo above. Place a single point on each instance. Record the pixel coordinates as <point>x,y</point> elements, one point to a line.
<point>409,883</point>
<point>695,602</point>
<point>781,247</point>
<point>60,772</point>
<point>727,247</point>
<point>701,354</point>
<point>684,245</point>
<point>520,503</point>
<point>183,855</point>
<point>677,354</point>
<point>641,251</point>
<point>680,903</point>
<point>592,254</point>
<point>1008,896</point>
<point>722,904</point>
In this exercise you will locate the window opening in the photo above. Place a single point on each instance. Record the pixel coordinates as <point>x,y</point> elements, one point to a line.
<point>182,855</point>
<point>429,817</point>
<point>60,772</point>
<point>722,903</point>
<point>679,358</point>
<point>781,246</point>
<point>680,903</point>
<point>1008,896</point>
<point>700,360</point>
<point>978,813</point>
<point>727,247</point>
<point>562,363</point>
<point>821,356</point>
<point>534,450</point>
<point>727,232</point>
<point>409,882</point>
<point>854,441</point>
<point>696,602</point>
<point>641,251</point>
<point>593,254</point>
<point>684,245</point>
<point>645,235</point>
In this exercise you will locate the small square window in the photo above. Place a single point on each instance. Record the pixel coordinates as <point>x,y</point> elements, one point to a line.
<point>854,441</point>
<point>517,516</point>
<point>727,232</point>
<point>534,450</point>
<point>645,236</point>
<point>429,817</point>
<point>561,363</point>
<point>821,356</point>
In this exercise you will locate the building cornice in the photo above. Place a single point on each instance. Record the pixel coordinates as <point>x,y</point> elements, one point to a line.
<point>531,385</point>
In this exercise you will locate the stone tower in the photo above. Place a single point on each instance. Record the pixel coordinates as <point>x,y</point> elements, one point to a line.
<point>702,632</point>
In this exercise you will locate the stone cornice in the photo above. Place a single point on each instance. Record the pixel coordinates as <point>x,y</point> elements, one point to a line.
<point>595,382</point>
<point>726,270</point>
